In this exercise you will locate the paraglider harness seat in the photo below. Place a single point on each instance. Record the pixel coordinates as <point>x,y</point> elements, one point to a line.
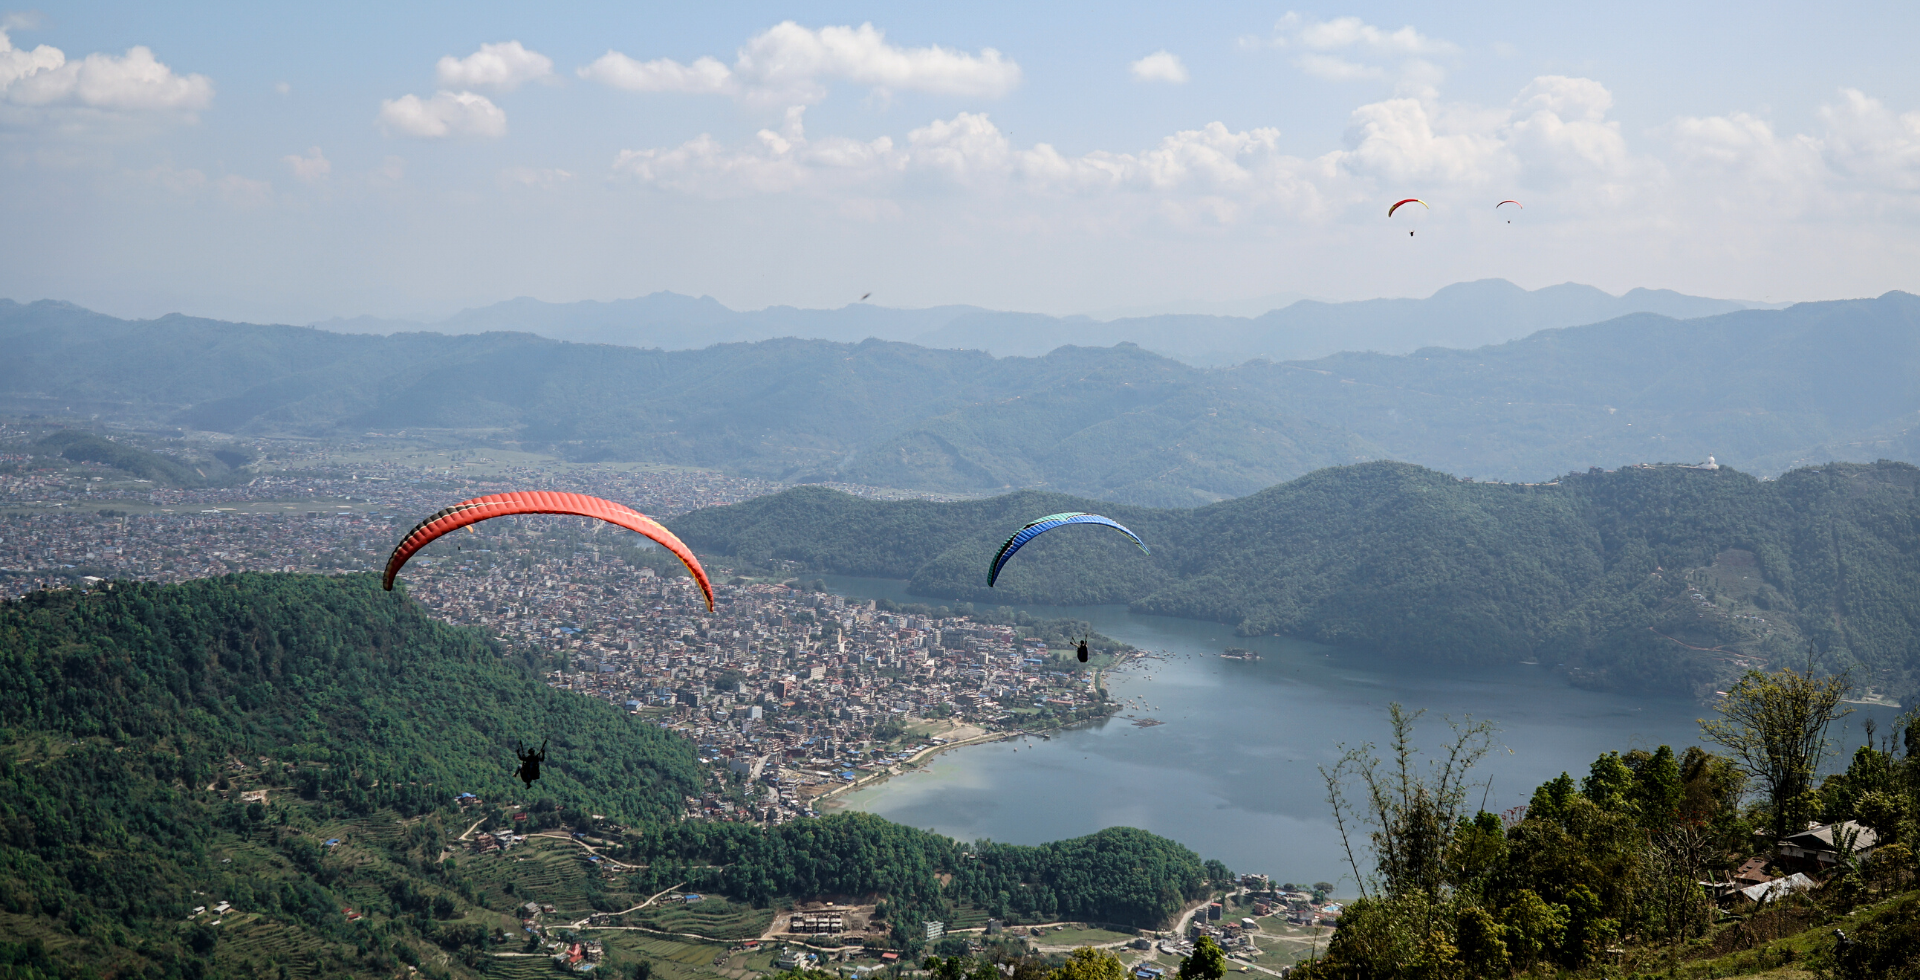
<point>530,762</point>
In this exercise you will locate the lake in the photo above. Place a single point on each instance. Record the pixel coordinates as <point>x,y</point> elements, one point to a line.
<point>1232,771</point>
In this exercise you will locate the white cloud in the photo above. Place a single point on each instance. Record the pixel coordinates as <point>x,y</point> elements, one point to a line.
<point>792,64</point>
<point>777,162</point>
<point>44,79</point>
<point>1398,142</point>
<point>16,64</point>
<point>501,67</point>
<point>1554,135</point>
<point>791,56</point>
<point>1863,161</point>
<point>445,115</point>
<point>1348,49</point>
<point>1867,142</point>
<point>1349,33</point>
<point>312,168</point>
<point>615,70</point>
<point>1213,173</point>
<point>1560,131</point>
<point>1159,66</point>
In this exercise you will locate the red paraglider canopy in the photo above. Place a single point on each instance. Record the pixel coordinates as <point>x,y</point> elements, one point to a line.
<point>1516,204</point>
<point>542,502</point>
<point>1410,200</point>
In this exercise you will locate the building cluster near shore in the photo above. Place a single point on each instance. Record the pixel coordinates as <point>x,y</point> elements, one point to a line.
<point>792,692</point>
<point>787,693</point>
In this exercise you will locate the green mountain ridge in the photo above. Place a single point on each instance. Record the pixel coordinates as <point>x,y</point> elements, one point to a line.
<point>1598,570</point>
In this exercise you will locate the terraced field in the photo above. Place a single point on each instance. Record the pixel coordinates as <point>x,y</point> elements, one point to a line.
<point>715,918</point>
<point>521,968</point>
<point>968,917</point>
<point>673,960</point>
<point>258,946</point>
<point>546,871</point>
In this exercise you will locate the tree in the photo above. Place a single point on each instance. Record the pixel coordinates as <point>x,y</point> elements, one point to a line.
<point>1087,963</point>
<point>1657,787</point>
<point>1535,928</point>
<point>1676,858</point>
<point>1609,783</point>
<point>951,968</point>
<point>1775,728</point>
<point>1482,943</point>
<point>1413,814</point>
<point>1218,872</point>
<point>1206,963</point>
<point>1589,930</point>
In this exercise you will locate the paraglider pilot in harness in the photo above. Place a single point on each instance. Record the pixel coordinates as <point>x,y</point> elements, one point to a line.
<point>1083,649</point>
<point>530,762</point>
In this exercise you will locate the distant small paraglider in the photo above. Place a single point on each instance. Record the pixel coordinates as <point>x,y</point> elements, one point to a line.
<point>863,297</point>
<point>1410,200</point>
<point>1516,204</point>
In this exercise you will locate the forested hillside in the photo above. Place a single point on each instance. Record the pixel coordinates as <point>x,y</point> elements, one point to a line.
<point>1661,576</point>
<point>1120,876</point>
<point>291,746</point>
<point>1762,390</point>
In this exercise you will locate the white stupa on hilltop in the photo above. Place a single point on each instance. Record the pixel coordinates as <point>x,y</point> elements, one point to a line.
<point>1711,465</point>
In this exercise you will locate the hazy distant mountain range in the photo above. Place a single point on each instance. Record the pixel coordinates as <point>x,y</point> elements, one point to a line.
<point>1764,390</point>
<point>1468,314</point>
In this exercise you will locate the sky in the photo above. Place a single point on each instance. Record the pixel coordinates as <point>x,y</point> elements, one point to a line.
<point>288,163</point>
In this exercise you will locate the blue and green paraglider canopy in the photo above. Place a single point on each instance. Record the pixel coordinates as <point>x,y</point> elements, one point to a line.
<point>1036,528</point>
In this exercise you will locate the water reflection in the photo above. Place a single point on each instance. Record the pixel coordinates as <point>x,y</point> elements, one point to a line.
<point>1232,772</point>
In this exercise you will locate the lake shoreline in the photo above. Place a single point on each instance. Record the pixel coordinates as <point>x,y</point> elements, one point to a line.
<point>1233,770</point>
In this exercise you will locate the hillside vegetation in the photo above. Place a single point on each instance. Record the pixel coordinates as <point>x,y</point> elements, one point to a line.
<point>1613,875</point>
<point>293,745</point>
<point>1762,389</point>
<point>1662,576</point>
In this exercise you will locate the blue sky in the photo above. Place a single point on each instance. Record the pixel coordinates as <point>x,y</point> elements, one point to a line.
<point>254,162</point>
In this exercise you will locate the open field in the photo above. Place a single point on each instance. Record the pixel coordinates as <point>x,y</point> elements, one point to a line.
<point>1083,936</point>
